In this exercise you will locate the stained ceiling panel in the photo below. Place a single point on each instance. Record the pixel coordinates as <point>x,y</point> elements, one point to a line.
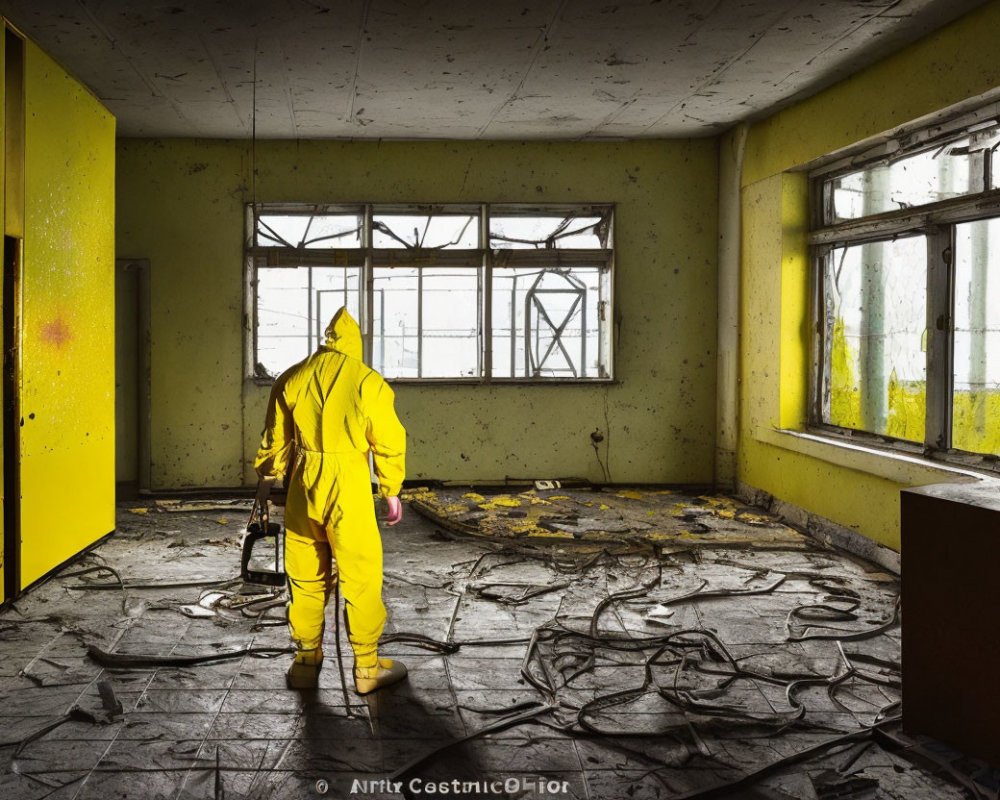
<point>451,69</point>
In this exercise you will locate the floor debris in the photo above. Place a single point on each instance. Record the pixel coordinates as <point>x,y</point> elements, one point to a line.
<point>562,643</point>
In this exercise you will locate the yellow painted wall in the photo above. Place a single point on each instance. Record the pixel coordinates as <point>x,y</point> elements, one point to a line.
<point>67,400</point>
<point>180,204</point>
<point>948,67</point>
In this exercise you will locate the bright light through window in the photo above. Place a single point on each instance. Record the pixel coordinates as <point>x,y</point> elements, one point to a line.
<point>876,314</point>
<point>423,286</point>
<point>908,271</point>
<point>294,307</point>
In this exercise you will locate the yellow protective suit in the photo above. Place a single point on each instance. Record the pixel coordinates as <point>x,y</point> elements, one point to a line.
<point>327,412</point>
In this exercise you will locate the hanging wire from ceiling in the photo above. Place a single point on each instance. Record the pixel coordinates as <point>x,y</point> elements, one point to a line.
<point>253,132</point>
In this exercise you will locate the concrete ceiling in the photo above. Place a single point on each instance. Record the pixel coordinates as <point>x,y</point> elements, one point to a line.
<point>462,69</point>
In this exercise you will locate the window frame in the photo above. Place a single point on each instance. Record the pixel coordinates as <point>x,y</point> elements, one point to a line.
<point>938,222</point>
<point>485,259</point>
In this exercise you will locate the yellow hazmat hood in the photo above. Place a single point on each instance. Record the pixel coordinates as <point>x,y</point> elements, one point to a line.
<point>343,334</point>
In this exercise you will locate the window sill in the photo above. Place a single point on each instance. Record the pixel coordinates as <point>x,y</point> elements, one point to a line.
<point>500,381</point>
<point>899,467</point>
<point>257,381</point>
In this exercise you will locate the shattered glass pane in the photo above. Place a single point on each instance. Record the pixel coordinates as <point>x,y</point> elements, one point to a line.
<point>432,231</point>
<point>294,306</point>
<point>550,323</point>
<point>550,231</point>
<point>309,231</point>
<point>946,171</point>
<point>559,328</point>
<point>874,337</point>
<point>426,322</point>
<point>976,398</point>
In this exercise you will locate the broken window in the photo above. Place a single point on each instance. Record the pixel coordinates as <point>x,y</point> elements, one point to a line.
<point>907,300</point>
<point>549,321</point>
<point>875,296</point>
<point>551,292</point>
<point>311,228</point>
<point>432,230</point>
<point>950,170</point>
<point>425,322</point>
<point>294,305</point>
<point>976,385</point>
<point>460,292</point>
<point>583,229</point>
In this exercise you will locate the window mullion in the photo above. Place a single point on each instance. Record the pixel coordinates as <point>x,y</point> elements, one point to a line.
<point>486,294</point>
<point>256,263</point>
<point>420,322</point>
<point>940,339</point>
<point>818,395</point>
<point>367,299</point>
<point>311,321</point>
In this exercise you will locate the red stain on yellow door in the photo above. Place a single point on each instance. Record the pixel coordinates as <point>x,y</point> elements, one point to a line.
<point>56,333</point>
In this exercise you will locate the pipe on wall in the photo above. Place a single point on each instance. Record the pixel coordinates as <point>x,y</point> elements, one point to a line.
<point>730,231</point>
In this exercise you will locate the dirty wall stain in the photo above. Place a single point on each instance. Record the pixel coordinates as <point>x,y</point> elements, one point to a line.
<point>56,333</point>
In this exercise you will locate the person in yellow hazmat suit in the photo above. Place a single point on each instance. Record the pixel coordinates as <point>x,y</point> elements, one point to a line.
<point>328,412</point>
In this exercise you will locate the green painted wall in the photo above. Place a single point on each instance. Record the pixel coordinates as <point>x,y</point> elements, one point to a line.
<point>181,204</point>
<point>948,67</point>
<point>67,379</point>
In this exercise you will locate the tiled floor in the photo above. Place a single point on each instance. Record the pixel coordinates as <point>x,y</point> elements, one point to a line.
<point>708,620</point>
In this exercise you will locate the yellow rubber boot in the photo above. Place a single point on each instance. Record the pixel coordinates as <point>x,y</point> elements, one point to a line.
<point>304,671</point>
<point>385,673</point>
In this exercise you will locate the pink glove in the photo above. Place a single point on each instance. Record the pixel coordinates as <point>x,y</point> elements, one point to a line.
<point>395,510</point>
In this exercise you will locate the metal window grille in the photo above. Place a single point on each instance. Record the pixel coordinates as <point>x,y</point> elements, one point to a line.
<point>445,292</point>
<point>906,291</point>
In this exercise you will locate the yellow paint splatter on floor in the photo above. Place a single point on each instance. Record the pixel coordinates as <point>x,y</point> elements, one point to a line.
<point>501,501</point>
<point>663,517</point>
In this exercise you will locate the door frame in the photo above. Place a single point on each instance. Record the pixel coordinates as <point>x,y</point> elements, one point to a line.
<point>143,315</point>
<point>13,271</point>
<point>13,108</point>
